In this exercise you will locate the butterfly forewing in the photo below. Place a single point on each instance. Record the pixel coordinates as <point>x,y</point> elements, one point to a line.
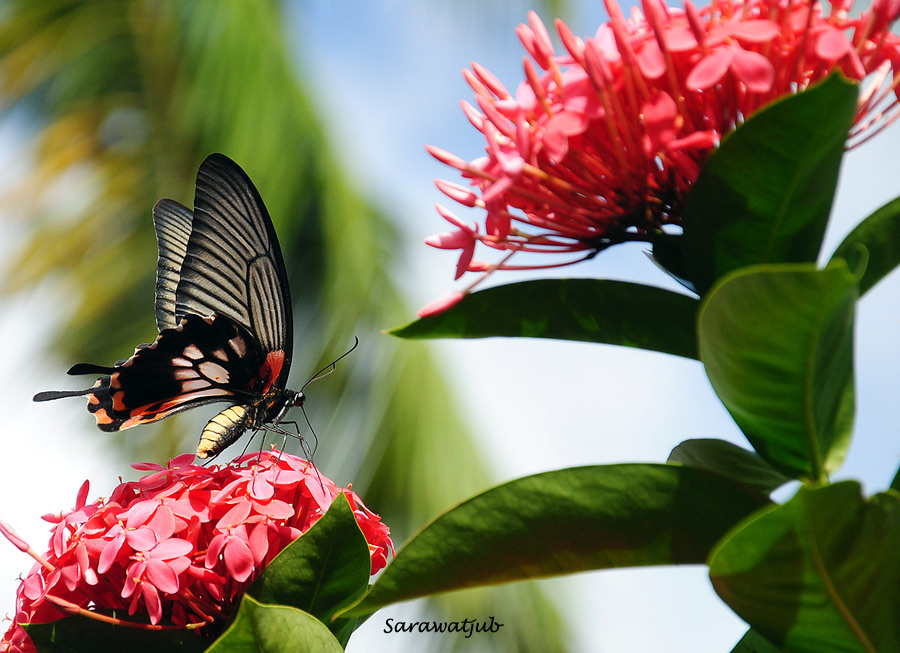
<point>233,265</point>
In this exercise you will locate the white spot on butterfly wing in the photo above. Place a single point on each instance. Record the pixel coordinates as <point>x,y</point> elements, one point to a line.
<point>193,352</point>
<point>191,386</point>
<point>184,373</point>
<point>238,345</point>
<point>205,391</point>
<point>214,372</point>
<point>221,355</point>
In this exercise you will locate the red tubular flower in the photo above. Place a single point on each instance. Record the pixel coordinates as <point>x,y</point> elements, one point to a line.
<point>601,145</point>
<point>182,543</point>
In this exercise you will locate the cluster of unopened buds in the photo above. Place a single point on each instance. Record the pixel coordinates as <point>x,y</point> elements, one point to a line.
<point>179,545</point>
<point>601,144</point>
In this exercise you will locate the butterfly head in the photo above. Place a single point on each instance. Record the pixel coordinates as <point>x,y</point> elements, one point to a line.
<point>289,399</point>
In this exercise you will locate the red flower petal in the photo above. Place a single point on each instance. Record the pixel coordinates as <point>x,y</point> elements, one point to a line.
<point>142,539</point>
<point>172,548</point>
<point>152,602</point>
<point>259,542</point>
<point>651,61</point>
<point>162,576</point>
<point>558,130</point>
<point>755,31</point>
<point>441,304</point>
<point>659,114</point>
<point>236,515</point>
<point>754,70</point>
<point>238,559</point>
<point>710,70</point>
<point>140,513</point>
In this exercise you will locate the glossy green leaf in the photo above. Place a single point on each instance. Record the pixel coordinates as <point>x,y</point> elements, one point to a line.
<point>591,310</point>
<point>321,571</point>
<point>77,634</point>
<point>879,235</point>
<point>263,628</point>
<point>729,460</point>
<point>820,573</point>
<point>765,195</point>
<point>567,521</point>
<point>895,482</point>
<point>753,642</point>
<point>668,256</point>
<point>167,63</point>
<point>777,342</point>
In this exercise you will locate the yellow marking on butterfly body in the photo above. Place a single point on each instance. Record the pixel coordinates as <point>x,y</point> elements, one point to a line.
<point>218,426</point>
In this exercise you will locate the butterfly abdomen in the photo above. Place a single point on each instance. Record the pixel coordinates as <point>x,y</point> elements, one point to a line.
<point>225,428</point>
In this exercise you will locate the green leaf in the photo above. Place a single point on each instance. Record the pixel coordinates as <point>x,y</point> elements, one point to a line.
<point>721,457</point>
<point>753,642</point>
<point>765,195</point>
<point>78,634</point>
<point>879,234</point>
<point>820,573</point>
<point>668,255</point>
<point>591,310</point>
<point>777,342</point>
<point>895,483</point>
<point>262,628</point>
<point>563,522</point>
<point>325,569</point>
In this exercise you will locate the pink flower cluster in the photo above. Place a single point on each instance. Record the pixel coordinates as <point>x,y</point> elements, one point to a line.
<point>601,144</point>
<point>182,543</point>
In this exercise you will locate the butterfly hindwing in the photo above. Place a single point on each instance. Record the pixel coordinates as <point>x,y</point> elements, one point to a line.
<point>200,361</point>
<point>172,222</point>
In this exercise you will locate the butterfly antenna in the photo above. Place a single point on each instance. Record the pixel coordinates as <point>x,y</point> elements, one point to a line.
<point>328,369</point>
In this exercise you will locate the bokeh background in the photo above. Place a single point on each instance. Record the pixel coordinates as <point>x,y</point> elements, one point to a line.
<point>109,105</point>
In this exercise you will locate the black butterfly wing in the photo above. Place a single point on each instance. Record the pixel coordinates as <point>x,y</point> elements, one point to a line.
<point>233,265</point>
<point>200,361</point>
<point>222,309</point>
<point>172,222</point>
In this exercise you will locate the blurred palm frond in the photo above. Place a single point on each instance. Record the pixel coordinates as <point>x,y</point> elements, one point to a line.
<point>126,98</point>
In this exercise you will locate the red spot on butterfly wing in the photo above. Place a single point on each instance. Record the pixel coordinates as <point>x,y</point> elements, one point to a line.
<point>117,404</point>
<point>271,369</point>
<point>102,416</point>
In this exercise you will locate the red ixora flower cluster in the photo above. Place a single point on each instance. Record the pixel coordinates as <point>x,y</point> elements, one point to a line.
<point>182,543</point>
<point>601,145</point>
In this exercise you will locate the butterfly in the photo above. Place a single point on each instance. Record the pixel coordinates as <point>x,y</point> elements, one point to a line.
<point>223,311</point>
